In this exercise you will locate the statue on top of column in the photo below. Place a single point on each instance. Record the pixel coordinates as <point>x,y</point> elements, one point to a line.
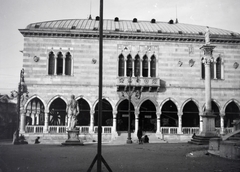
<point>72,110</point>
<point>207,36</point>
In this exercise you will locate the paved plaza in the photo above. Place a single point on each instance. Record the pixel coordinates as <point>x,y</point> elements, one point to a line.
<point>150,157</point>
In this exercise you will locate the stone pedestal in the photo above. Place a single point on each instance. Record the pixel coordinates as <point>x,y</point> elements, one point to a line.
<point>73,139</point>
<point>208,128</point>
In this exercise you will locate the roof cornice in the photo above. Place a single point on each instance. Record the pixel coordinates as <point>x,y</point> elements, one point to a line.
<point>169,37</point>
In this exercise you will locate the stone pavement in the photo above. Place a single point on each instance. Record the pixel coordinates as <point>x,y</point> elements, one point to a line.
<point>152,157</point>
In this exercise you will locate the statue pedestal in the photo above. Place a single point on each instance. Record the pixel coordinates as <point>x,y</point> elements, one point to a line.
<point>73,139</point>
<point>208,125</point>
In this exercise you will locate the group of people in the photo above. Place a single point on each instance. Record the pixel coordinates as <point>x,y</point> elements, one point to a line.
<point>142,139</point>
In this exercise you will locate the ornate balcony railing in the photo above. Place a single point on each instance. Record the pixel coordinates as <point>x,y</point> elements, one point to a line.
<point>141,82</point>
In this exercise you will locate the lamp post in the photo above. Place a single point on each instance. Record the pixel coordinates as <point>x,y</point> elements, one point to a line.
<point>129,139</point>
<point>22,88</point>
<point>130,93</point>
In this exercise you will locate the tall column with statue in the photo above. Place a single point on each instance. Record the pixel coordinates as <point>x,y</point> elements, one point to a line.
<point>208,118</point>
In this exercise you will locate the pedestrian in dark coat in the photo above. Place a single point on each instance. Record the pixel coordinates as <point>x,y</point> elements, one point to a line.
<point>139,135</point>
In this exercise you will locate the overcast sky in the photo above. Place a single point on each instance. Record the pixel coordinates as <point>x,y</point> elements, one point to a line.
<point>17,14</point>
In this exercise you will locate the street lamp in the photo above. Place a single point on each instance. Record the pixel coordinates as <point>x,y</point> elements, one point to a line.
<point>130,93</point>
<point>22,88</point>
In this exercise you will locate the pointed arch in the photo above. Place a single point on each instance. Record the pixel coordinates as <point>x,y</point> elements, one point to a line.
<point>188,100</point>
<point>68,64</point>
<point>121,66</point>
<point>190,117</point>
<point>59,63</point>
<point>57,111</point>
<point>137,66</point>
<point>202,68</point>
<point>153,66</point>
<point>51,63</point>
<point>145,66</point>
<point>169,113</point>
<point>147,116</point>
<point>107,113</point>
<point>83,119</point>
<point>35,111</point>
<point>129,65</point>
<point>232,112</point>
<point>219,68</point>
<point>122,108</point>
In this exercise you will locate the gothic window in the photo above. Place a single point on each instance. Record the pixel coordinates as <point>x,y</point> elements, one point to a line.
<point>51,64</point>
<point>153,66</point>
<point>121,65</point>
<point>68,64</point>
<point>145,66</point>
<point>203,69</point>
<point>59,64</point>
<point>137,66</point>
<point>218,68</point>
<point>212,70</point>
<point>129,65</point>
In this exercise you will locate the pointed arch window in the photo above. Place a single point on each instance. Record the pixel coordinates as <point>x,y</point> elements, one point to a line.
<point>59,64</point>
<point>68,64</point>
<point>218,68</point>
<point>212,70</point>
<point>153,66</point>
<point>137,66</point>
<point>51,64</point>
<point>121,65</point>
<point>129,65</point>
<point>202,68</point>
<point>145,66</point>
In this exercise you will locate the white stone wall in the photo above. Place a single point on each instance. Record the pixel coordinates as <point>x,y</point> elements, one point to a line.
<point>182,82</point>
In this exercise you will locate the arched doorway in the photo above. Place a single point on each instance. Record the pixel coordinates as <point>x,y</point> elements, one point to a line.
<point>107,116</point>
<point>35,112</point>
<point>169,117</point>
<point>147,117</point>
<point>57,112</point>
<point>83,118</point>
<point>122,116</point>
<point>190,117</point>
<point>232,112</point>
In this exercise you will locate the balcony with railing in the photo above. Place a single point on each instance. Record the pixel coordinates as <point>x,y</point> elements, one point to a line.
<point>142,83</point>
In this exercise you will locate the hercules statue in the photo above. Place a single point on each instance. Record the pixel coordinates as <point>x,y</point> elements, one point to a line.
<point>72,110</point>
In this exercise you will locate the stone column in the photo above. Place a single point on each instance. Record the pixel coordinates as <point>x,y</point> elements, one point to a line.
<point>46,122</point>
<point>136,113</point>
<point>37,118</point>
<point>125,68</point>
<point>158,132</point>
<point>91,128</point>
<point>208,118</point>
<point>114,127</point>
<point>149,61</point>
<point>141,68</point>
<point>33,118</point>
<point>55,66</point>
<point>179,131</point>
<point>133,71</point>
<point>22,123</point>
<point>200,123</point>
<point>64,58</point>
<point>222,123</point>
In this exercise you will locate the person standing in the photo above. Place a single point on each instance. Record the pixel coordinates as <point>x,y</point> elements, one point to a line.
<point>139,135</point>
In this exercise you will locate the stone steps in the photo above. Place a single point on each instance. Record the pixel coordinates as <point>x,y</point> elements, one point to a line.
<point>201,140</point>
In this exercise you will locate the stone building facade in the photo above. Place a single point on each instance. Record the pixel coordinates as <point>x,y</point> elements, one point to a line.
<point>159,64</point>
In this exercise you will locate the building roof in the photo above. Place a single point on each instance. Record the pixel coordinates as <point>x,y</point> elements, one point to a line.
<point>128,29</point>
<point>152,26</point>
